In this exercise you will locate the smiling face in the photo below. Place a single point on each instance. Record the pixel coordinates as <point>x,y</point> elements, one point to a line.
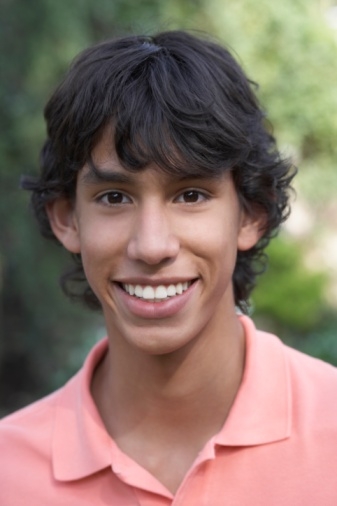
<point>159,251</point>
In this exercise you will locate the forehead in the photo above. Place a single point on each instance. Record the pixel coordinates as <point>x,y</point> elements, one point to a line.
<point>109,171</point>
<point>104,165</point>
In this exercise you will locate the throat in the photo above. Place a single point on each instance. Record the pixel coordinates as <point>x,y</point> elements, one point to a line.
<point>168,465</point>
<point>162,410</point>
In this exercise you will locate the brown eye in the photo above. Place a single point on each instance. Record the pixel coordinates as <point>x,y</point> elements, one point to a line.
<point>114,198</point>
<point>192,197</point>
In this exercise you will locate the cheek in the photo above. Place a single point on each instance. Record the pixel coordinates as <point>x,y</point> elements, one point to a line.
<point>99,252</point>
<point>217,235</point>
<point>215,245</point>
<point>100,237</point>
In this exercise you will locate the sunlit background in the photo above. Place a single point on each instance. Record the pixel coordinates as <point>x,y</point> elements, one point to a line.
<point>289,47</point>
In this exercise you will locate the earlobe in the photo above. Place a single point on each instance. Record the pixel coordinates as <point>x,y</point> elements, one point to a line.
<point>251,231</point>
<point>63,223</point>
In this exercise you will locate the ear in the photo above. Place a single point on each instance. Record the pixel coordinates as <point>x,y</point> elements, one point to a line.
<point>251,231</point>
<point>63,222</point>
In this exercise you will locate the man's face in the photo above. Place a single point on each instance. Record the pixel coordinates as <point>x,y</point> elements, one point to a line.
<point>158,251</point>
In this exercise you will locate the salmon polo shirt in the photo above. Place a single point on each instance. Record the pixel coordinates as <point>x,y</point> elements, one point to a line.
<point>277,447</point>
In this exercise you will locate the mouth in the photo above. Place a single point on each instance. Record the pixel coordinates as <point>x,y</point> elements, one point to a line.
<point>157,293</point>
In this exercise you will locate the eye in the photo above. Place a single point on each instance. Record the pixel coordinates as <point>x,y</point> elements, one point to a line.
<point>192,197</point>
<point>114,198</point>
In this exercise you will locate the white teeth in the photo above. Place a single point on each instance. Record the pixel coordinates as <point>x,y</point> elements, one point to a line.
<point>160,292</point>
<point>171,290</point>
<point>148,293</point>
<point>138,291</point>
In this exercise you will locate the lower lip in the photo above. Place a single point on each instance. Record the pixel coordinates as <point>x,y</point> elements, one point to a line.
<point>155,310</point>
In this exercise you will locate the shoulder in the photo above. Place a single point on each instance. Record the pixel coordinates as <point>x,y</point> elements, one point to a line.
<point>32,426</point>
<point>312,387</point>
<point>309,373</point>
<point>35,439</point>
<point>25,449</point>
<point>27,432</point>
<point>36,420</point>
<point>313,384</point>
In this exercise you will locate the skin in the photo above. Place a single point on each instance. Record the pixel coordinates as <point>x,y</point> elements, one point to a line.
<point>173,367</point>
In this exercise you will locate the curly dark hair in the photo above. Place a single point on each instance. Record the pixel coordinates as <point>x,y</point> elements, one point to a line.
<point>174,99</point>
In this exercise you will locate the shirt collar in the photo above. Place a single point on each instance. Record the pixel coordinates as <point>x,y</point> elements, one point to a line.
<point>81,445</point>
<point>261,412</point>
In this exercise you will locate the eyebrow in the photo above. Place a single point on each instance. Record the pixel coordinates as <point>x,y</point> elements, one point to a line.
<point>201,177</point>
<point>96,175</point>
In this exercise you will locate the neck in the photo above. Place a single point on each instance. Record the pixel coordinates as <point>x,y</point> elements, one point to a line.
<point>198,382</point>
<point>162,409</point>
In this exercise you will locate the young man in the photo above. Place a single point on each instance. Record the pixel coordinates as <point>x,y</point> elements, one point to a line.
<point>159,176</point>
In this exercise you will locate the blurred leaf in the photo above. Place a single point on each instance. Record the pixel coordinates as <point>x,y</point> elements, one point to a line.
<point>290,293</point>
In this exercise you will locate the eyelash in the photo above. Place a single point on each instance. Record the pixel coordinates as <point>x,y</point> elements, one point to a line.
<point>117,194</point>
<point>204,196</point>
<point>125,199</point>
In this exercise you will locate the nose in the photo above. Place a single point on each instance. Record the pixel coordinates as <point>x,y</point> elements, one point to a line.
<point>153,240</point>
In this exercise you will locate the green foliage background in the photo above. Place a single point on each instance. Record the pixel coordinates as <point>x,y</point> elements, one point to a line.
<point>287,47</point>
